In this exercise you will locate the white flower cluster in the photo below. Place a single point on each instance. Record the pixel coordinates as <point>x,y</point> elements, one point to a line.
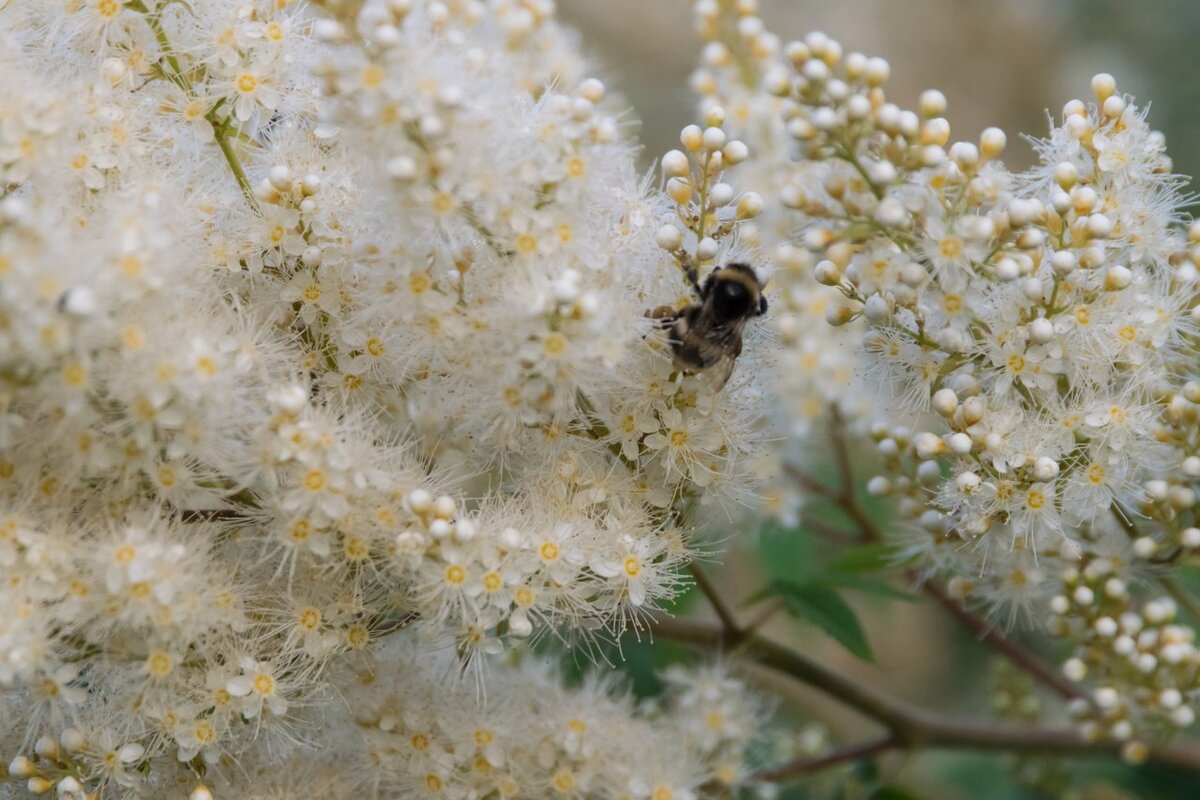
<point>814,366</point>
<point>1032,335</point>
<point>316,323</point>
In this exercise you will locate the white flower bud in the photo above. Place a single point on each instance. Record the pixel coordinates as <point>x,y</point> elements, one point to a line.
<point>960,444</point>
<point>929,473</point>
<point>1045,469</point>
<point>1032,288</point>
<point>945,402</point>
<point>750,206</point>
<point>1022,212</point>
<point>1041,330</point>
<point>1074,669</point>
<point>932,103</point>
<point>1083,596</point>
<point>669,237</point>
<point>721,194</point>
<point>1170,698</point>
<point>439,530</point>
<point>1135,753</point>
<point>1183,716</point>
<point>827,273</point>
<point>707,249</point>
<point>464,530</point>
<point>1106,627</point>
<point>876,309</point>
<point>1104,85</point>
<point>1107,698</point>
<point>974,409</point>
<point>1145,547</point>
<point>280,177</point>
<point>838,315</point>
<point>1115,588</point>
<point>1007,269</point>
<point>1099,226</point>
<point>928,446</point>
<point>419,501</point>
<point>891,213</point>
<point>967,482</point>
<point>1121,730</point>
<point>735,152</point>
<point>519,625</point>
<point>401,168</point>
<point>992,142</point>
<point>1157,490</point>
<point>1190,538</point>
<point>113,70</point>
<point>1063,262</point>
<point>878,486</point>
<point>675,164</point>
<point>692,138</point>
<point>444,507</point>
<point>713,139</point>
<point>39,785</point>
<point>201,792</point>
<point>1060,605</point>
<point>1117,278</point>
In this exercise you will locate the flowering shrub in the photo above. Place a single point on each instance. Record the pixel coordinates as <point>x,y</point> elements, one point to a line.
<point>333,379</point>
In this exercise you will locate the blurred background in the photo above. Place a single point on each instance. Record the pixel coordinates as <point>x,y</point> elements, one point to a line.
<point>998,63</point>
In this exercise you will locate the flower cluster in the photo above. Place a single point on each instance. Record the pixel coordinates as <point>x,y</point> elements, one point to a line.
<point>1031,334</point>
<point>317,323</point>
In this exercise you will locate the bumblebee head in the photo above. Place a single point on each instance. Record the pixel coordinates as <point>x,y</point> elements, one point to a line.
<point>735,293</point>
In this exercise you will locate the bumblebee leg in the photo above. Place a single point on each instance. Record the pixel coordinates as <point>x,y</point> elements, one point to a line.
<point>762,305</point>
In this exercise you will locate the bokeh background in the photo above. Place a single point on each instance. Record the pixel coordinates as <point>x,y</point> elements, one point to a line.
<point>999,62</point>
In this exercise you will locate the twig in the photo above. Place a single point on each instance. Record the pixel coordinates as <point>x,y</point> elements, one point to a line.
<point>847,501</point>
<point>724,612</point>
<point>806,765</point>
<point>909,726</point>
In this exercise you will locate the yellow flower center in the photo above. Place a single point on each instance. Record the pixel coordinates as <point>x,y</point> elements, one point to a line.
<point>633,567</point>
<point>456,575</point>
<point>548,551</point>
<point>264,684</point>
<point>1035,500</point>
<point>247,83</point>
<point>678,438</point>
<point>309,618</point>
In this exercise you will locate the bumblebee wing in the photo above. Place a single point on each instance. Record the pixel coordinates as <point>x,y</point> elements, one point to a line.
<point>716,375</point>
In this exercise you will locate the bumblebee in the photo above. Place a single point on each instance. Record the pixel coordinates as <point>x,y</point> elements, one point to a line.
<point>707,336</point>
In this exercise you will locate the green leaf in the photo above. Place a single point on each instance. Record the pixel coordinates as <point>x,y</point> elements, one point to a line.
<point>891,793</point>
<point>866,558</point>
<point>879,587</point>
<point>825,608</point>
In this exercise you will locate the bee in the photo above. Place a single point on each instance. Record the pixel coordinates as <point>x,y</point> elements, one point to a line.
<point>707,336</point>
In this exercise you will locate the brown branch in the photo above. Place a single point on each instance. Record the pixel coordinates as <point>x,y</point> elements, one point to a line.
<point>911,727</point>
<point>806,765</point>
<point>847,501</point>
<point>722,609</point>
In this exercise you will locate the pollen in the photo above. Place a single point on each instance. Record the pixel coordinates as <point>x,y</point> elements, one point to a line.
<point>1096,474</point>
<point>678,438</point>
<point>443,202</point>
<point>563,781</point>
<point>526,244</point>
<point>576,168</point>
<point>312,293</point>
<point>555,344</point>
<point>159,664</point>
<point>108,9</point>
<point>314,480</point>
<point>372,76</point>
<point>74,375</point>
<point>124,554</point>
<point>1035,500</point>
<point>548,551</point>
<point>375,347</point>
<point>632,566</point>
<point>951,247</point>
<point>492,582</point>
<point>419,282</point>
<point>1015,363</point>
<point>275,32</point>
<point>419,742</point>
<point>524,597</point>
<point>309,618</point>
<point>264,684</point>
<point>246,83</point>
<point>356,548</point>
<point>1127,332</point>
<point>456,575</point>
<point>300,530</point>
<point>1083,315</point>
